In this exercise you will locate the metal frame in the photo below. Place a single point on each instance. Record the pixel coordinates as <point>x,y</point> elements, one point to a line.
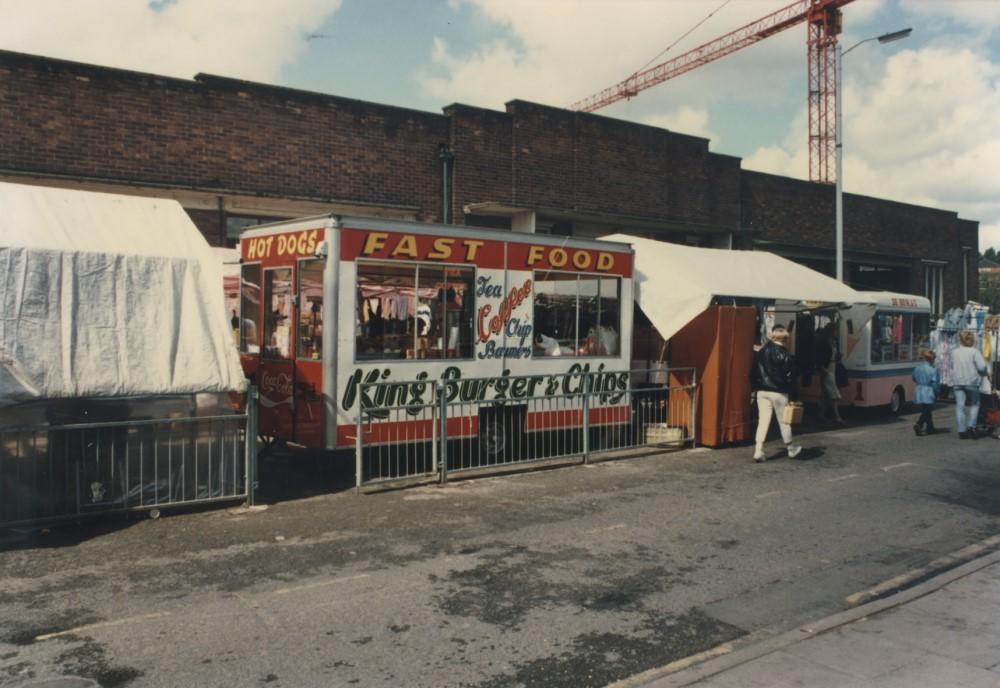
<point>445,436</point>
<point>141,465</point>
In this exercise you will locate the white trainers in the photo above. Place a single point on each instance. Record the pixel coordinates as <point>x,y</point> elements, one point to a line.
<point>759,457</point>
<point>793,450</point>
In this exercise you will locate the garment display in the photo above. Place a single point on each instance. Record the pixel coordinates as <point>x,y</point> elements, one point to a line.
<point>943,340</point>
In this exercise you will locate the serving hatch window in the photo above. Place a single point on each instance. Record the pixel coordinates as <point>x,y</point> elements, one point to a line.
<point>310,310</point>
<point>413,310</point>
<point>277,311</point>
<point>249,309</point>
<point>576,315</point>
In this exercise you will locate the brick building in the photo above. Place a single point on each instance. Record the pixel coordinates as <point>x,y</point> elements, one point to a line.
<point>236,153</point>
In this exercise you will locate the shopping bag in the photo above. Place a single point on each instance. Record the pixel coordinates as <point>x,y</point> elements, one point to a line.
<point>985,386</point>
<point>792,413</point>
<point>840,373</point>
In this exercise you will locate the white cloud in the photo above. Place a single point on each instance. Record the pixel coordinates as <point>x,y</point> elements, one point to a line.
<point>924,132</point>
<point>972,13</point>
<point>686,120</point>
<point>249,40</point>
<point>989,236</point>
<point>561,51</point>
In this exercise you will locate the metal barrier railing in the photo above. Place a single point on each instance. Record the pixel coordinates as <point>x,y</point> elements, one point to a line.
<point>58,472</point>
<point>460,427</point>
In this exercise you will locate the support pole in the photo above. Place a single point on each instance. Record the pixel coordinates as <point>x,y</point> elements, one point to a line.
<point>839,212</point>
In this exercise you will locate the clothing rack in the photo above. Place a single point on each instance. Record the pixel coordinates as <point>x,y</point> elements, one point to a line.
<point>975,319</point>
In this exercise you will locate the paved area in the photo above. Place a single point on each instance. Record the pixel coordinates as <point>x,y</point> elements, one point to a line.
<point>576,577</point>
<point>941,633</point>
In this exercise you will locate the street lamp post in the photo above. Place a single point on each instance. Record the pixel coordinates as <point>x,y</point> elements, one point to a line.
<point>838,103</point>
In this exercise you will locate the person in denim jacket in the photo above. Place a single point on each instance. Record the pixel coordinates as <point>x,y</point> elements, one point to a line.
<point>928,385</point>
<point>968,368</point>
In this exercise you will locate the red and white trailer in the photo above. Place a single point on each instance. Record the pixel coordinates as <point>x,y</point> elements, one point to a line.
<point>331,304</point>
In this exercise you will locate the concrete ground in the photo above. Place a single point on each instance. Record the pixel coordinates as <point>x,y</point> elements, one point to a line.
<point>576,577</point>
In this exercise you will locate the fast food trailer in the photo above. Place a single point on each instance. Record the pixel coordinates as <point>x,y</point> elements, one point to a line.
<point>344,314</point>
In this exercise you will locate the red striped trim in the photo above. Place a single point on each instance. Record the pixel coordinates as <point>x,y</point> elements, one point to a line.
<point>417,430</point>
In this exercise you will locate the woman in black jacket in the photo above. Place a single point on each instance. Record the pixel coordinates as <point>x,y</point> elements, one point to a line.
<point>773,377</point>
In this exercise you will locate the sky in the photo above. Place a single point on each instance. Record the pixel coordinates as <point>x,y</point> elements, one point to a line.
<point>921,115</point>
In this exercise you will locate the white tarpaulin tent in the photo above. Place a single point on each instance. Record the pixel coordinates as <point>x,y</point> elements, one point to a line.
<point>675,283</point>
<point>103,295</point>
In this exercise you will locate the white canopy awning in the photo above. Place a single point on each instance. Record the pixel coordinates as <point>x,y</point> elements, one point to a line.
<point>675,283</point>
<point>107,295</point>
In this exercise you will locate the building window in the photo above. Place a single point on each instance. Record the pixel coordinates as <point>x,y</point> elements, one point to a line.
<point>413,310</point>
<point>576,315</point>
<point>934,286</point>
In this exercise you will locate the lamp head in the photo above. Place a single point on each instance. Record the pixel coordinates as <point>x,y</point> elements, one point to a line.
<point>895,36</point>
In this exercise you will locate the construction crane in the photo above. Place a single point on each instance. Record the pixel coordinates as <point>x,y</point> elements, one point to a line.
<point>824,22</point>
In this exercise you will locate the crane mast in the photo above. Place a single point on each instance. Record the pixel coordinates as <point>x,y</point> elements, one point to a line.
<point>824,24</point>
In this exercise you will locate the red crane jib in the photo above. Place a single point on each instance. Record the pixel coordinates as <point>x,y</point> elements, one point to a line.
<point>822,12</point>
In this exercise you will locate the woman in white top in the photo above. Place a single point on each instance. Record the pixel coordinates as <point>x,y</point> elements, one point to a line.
<point>968,368</point>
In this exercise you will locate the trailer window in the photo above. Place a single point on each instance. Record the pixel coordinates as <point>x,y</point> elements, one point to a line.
<point>576,315</point>
<point>311,309</point>
<point>599,316</point>
<point>410,311</point>
<point>897,336</point>
<point>249,309</point>
<point>277,310</point>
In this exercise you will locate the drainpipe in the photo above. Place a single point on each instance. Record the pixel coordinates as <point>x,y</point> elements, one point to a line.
<point>223,239</point>
<point>447,159</point>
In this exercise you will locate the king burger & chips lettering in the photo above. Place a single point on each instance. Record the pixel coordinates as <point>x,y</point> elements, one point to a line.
<point>376,400</point>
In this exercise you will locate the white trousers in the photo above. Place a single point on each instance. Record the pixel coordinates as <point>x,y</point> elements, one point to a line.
<point>768,403</point>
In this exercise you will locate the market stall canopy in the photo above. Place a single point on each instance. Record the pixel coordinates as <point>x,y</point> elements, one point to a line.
<point>675,283</point>
<point>106,295</point>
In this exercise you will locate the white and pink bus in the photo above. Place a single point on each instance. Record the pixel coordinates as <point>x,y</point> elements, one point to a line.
<point>880,353</point>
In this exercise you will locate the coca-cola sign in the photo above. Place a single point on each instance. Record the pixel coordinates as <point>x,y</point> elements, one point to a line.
<point>280,383</point>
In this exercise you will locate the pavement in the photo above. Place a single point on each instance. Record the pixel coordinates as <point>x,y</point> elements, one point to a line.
<point>938,633</point>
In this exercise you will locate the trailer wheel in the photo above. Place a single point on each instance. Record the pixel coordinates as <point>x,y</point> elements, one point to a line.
<point>501,434</point>
<point>492,438</point>
<point>896,401</point>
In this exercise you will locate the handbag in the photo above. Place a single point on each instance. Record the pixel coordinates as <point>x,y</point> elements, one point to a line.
<point>792,413</point>
<point>840,374</point>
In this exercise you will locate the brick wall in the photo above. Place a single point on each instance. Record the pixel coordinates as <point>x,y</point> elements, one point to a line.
<point>207,222</point>
<point>549,158</point>
<point>797,213</point>
<point>224,136</point>
<point>481,142</point>
<point>70,119</point>
<point>593,164</point>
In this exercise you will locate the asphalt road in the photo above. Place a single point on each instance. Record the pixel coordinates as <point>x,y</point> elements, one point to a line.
<point>578,576</point>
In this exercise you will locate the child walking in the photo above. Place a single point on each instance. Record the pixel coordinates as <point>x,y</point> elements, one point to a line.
<point>928,384</point>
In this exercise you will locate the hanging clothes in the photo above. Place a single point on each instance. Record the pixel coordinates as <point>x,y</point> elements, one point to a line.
<point>897,330</point>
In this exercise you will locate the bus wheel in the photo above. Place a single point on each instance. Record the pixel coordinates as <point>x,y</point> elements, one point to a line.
<point>896,401</point>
